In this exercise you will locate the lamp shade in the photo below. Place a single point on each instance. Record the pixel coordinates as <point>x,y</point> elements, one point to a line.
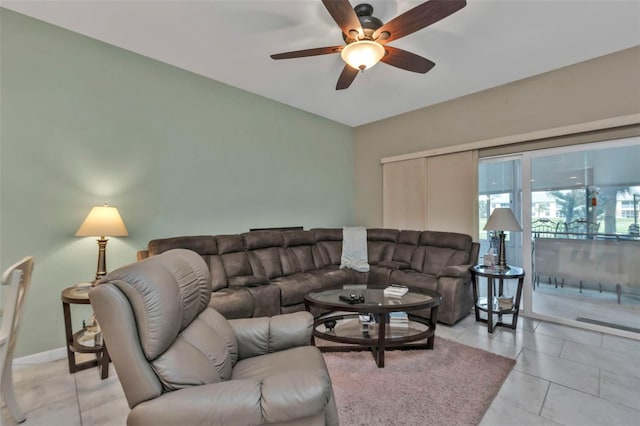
<point>502,219</point>
<point>363,54</point>
<point>102,221</point>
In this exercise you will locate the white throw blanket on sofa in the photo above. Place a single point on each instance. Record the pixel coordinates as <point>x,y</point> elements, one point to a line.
<point>354,249</point>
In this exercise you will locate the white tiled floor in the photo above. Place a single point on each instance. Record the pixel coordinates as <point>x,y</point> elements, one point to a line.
<point>563,376</point>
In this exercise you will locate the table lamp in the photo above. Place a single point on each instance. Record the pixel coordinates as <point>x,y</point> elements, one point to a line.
<point>502,219</point>
<point>101,222</point>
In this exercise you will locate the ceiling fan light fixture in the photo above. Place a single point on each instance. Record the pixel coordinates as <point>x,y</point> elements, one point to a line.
<point>362,54</point>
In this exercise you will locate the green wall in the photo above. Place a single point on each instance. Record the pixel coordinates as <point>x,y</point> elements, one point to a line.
<point>84,123</point>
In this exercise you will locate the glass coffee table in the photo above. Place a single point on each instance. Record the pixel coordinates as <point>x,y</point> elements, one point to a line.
<point>375,322</point>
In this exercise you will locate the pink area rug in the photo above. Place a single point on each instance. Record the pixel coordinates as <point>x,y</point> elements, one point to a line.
<point>452,385</point>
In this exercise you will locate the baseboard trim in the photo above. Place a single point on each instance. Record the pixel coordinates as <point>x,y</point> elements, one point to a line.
<point>41,357</point>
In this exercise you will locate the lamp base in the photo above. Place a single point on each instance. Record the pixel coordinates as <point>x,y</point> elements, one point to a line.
<point>502,261</point>
<point>101,270</point>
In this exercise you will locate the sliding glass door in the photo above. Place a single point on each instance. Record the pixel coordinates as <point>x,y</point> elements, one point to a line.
<point>586,248</point>
<point>579,208</point>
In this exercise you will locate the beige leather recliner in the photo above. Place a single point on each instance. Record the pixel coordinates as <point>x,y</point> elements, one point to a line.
<point>182,363</point>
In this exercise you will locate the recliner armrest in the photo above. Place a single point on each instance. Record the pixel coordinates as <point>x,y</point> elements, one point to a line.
<point>457,271</point>
<point>279,398</point>
<point>258,336</point>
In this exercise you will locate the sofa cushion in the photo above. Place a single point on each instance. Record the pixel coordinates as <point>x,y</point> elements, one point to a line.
<point>216,270</point>
<point>329,241</point>
<point>443,249</point>
<point>328,234</point>
<point>298,255</point>
<point>417,260</point>
<point>262,239</point>
<point>407,243</point>
<point>236,264</point>
<point>409,237</point>
<point>263,251</point>
<point>298,238</point>
<point>333,250</point>
<point>446,239</point>
<point>229,243</point>
<point>266,262</point>
<point>436,258</point>
<point>379,251</point>
<point>300,259</point>
<point>381,244</point>
<point>382,234</point>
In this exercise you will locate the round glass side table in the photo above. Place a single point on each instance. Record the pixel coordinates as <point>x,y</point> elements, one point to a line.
<point>496,304</point>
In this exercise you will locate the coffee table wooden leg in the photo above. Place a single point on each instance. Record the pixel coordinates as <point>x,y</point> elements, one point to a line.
<point>434,320</point>
<point>382,328</point>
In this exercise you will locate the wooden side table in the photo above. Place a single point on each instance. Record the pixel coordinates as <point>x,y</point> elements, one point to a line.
<point>490,304</point>
<point>74,296</point>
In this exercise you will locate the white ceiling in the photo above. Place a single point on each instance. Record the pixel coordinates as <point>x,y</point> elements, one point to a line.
<point>486,44</point>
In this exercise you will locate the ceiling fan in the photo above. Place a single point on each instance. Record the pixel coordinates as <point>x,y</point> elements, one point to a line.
<point>366,37</point>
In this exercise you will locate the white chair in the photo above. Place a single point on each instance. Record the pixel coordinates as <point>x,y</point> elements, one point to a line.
<point>18,278</point>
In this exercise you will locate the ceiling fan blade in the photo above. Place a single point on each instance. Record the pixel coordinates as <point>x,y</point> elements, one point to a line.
<point>346,77</point>
<point>308,52</point>
<point>342,12</point>
<point>406,60</point>
<point>417,18</point>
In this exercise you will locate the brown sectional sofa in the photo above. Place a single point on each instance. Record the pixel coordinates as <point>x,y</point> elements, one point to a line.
<point>264,273</point>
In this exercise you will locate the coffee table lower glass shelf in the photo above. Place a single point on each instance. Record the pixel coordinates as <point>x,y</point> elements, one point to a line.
<point>343,324</point>
<point>496,308</point>
<point>347,326</point>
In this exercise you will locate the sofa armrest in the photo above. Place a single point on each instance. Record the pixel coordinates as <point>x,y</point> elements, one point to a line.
<point>258,336</point>
<point>457,271</point>
<point>279,398</point>
<point>142,255</point>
